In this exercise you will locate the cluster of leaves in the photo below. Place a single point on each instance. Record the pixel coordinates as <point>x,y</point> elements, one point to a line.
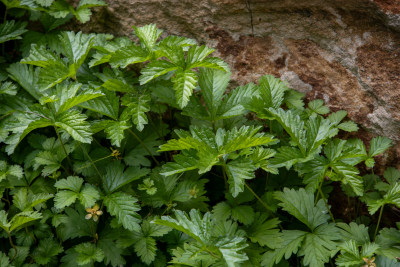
<point>122,152</point>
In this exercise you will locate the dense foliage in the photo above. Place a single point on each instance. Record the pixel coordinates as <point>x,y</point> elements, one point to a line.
<point>137,152</point>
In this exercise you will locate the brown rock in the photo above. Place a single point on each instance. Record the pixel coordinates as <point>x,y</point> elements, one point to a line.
<point>346,52</point>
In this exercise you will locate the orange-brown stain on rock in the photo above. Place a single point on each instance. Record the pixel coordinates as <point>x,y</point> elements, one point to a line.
<point>392,6</point>
<point>328,79</point>
<point>380,69</point>
<point>250,56</point>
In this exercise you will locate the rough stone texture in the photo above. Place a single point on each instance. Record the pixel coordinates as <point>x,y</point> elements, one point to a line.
<point>346,52</point>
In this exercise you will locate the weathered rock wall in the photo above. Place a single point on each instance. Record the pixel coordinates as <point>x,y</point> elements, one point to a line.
<point>346,52</point>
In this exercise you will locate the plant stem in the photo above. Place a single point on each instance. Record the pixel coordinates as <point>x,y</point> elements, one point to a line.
<point>326,203</point>
<point>87,165</point>
<point>144,145</point>
<point>379,221</point>
<point>90,159</point>
<point>65,151</point>
<point>263,203</point>
<point>14,247</point>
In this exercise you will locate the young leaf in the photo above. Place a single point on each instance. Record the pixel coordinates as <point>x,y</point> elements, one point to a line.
<point>115,131</point>
<point>184,83</point>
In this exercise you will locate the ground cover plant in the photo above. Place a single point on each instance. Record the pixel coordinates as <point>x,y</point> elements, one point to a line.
<point>121,151</point>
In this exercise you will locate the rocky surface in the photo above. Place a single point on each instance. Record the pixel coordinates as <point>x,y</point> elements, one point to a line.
<point>346,52</point>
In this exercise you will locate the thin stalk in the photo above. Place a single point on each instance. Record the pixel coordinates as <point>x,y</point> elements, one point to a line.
<point>90,159</point>
<point>379,221</point>
<point>326,203</point>
<point>144,145</point>
<point>62,145</point>
<point>316,198</point>
<point>14,247</point>
<point>87,165</point>
<point>258,198</point>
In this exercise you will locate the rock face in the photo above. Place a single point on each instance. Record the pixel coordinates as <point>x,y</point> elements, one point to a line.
<point>346,52</point>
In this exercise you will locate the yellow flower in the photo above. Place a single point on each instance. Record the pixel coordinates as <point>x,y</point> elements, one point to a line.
<point>93,213</point>
<point>369,262</point>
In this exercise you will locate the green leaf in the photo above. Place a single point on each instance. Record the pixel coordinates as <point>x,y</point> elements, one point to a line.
<point>265,232</point>
<point>67,98</point>
<point>155,69</point>
<point>74,123</point>
<point>146,248</point>
<point>292,240</point>
<point>23,218</point>
<point>64,199</point>
<point>300,204</point>
<point>242,138</point>
<point>115,176</point>
<point>200,229</point>
<point>88,253</point>
<point>147,35</point>
<point>27,77</point>
<point>196,54</point>
<point>124,207</point>
<point>213,84</point>
<point>389,242</point>
<point>348,126</point>
<point>318,131</point>
<point>293,125</point>
<point>46,251</point>
<point>317,106</point>
<point>10,171</point>
<point>272,91</point>
<point>236,102</point>
<point>117,85</point>
<point>25,200</point>
<point>286,156</point>
<point>319,246</point>
<point>392,196</point>
<point>76,48</point>
<point>137,108</point>
<point>10,30</point>
<point>45,3</point>
<point>242,213</point>
<point>238,171</point>
<point>392,175</point>
<point>352,231</point>
<point>378,145</point>
<point>8,88</point>
<point>54,70</point>
<point>74,225</point>
<point>115,131</point>
<point>184,83</point>
<point>108,104</point>
<point>71,189</point>
<point>185,161</point>
<point>4,260</point>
